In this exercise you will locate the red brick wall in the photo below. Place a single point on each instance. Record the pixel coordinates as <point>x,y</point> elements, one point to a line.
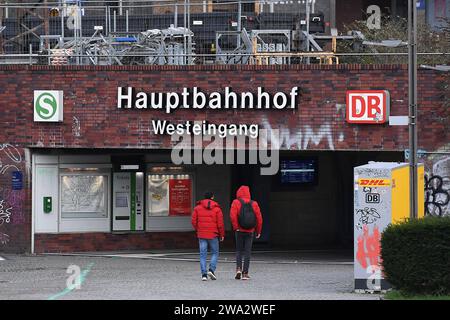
<point>73,242</point>
<point>79,242</point>
<point>90,94</point>
<point>15,205</point>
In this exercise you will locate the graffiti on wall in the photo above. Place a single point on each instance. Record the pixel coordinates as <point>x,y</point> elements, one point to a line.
<point>5,218</point>
<point>4,238</point>
<point>12,154</point>
<point>5,213</point>
<point>14,199</point>
<point>305,136</point>
<point>76,127</point>
<point>11,199</point>
<point>437,185</point>
<point>436,197</point>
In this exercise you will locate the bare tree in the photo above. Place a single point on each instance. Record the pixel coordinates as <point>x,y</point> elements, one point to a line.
<point>429,40</point>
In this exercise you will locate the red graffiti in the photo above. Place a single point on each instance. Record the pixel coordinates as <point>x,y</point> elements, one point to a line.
<point>369,248</point>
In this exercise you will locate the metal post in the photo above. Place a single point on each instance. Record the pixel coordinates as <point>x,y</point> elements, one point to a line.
<point>189,29</point>
<point>307,28</point>
<point>31,53</point>
<point>184,36</point>
<point>115,21</point>
<point>109,21</point>
<point>46,23</point>
<point>48,53</point>
<point>332,16</point>
<point>75,36</point>
<point>62,22</point>
<point>106,20</point>
<point>175,16</point>
<point>412,97</point>
<point>78,33</point>
<point>189,14</point>
<point>239,26</point>
<point>80,21</point>
<point>126,23</point>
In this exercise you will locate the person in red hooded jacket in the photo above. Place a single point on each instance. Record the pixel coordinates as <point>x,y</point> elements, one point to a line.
<point>244,237</point>
<point>207,220</point>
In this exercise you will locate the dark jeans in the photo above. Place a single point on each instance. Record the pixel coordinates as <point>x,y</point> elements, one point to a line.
<point>244,241</point>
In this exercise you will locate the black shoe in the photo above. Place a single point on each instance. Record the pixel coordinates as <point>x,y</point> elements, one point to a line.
<point>238,275</point>
<point>212,275</point>
<point>204,277</point>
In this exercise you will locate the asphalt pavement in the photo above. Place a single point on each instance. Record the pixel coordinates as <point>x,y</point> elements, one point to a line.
<point>176,275</point>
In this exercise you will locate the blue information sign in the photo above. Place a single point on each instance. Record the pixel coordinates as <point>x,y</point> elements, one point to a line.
<point>17,180</point>
<point>420,4</point>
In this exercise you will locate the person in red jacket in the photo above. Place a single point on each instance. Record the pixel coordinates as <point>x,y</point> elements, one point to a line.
<point>207,220</point>
<point>244,237</point>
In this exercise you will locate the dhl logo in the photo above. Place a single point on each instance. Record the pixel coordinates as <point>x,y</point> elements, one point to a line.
<point>374,182</point>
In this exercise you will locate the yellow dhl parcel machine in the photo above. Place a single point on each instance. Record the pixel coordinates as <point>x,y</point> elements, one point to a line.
<point>381,197</point>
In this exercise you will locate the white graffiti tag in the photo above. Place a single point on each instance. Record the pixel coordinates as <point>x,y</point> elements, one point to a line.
<point>306,136</point>
<point>303,138</point>
<point>4,238</point>
<point>13,154</point>
<point>5,214</point>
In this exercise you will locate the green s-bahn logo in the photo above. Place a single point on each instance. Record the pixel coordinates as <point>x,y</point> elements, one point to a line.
<point>48,106</point>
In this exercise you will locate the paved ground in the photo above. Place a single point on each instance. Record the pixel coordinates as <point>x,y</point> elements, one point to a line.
<point>157,275</point>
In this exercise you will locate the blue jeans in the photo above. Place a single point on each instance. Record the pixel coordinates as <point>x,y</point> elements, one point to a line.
<point>214,247</point>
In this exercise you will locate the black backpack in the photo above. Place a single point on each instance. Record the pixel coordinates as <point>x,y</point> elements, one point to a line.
<point>247,217</point>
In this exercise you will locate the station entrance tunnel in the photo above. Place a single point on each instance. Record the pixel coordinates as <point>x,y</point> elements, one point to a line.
<point>307,205</point>
<point>310,214</point>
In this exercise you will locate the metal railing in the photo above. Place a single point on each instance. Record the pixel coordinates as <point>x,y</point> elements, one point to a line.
<point>74,32</point>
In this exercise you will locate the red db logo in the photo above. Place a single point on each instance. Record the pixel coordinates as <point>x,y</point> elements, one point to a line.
<point>369,106</point>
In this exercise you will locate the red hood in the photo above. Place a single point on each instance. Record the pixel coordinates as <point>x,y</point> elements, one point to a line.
<point>208,202</point>
<point>243,192</point>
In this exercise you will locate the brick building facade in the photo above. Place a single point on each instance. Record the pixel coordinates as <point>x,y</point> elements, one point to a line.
<point>93,124</point>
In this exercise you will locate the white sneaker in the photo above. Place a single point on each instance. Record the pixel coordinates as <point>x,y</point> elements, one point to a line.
<point>211,275</point>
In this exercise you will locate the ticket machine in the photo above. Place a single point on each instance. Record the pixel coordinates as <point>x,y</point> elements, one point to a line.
<point>128,198</point>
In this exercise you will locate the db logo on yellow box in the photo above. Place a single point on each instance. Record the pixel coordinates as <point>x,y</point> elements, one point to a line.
<point>374,182</point>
